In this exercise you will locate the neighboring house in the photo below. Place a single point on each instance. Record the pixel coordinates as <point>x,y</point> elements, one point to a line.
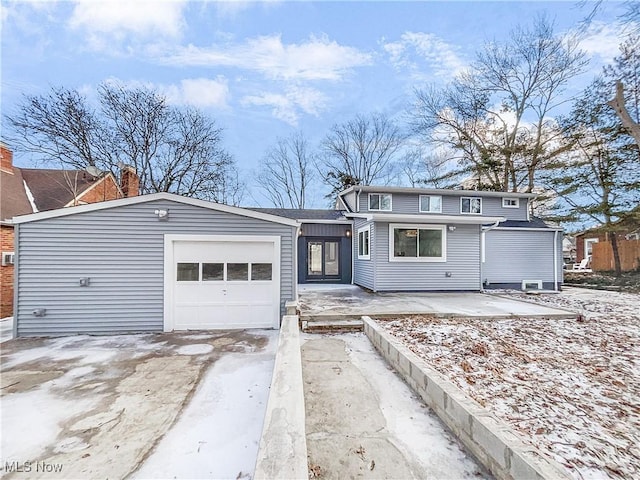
<point>165,262</point>
<point>626,229</point>
<point>28,190</point>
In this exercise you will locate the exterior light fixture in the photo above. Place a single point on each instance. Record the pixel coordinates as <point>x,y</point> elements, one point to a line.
<point>452,228</point>
<point>163,215</point>
<point>348,233</point>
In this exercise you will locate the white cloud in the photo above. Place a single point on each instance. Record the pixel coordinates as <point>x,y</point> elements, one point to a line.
<point>287,106</point>
<point>416,48</point>
<point>315,59</point>
<point>602,40</point>
<point>199,92</point>
<point>108,21</point>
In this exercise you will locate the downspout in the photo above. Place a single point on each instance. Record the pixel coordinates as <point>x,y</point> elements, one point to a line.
<point>555,261</point>
<point>483,231</point>
<point>354,252</point>
<point>295,262</point>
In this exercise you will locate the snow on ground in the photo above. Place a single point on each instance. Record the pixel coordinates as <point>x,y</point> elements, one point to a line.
<point>6,329</point>
<point>218,434</point>
<point>51,386</point>
<point>408,419</point>
<point>570,387</point>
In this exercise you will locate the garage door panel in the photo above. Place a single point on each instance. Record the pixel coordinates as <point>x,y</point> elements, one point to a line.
<point>233,285</point>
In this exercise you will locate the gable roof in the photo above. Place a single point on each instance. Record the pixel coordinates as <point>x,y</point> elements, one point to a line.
<point>92,207</point>
<point>14,199</point>
<point>303,213</point>
<point>58,188</point>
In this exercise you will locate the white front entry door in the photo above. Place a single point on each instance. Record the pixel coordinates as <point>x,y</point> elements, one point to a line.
<point>218,282</point>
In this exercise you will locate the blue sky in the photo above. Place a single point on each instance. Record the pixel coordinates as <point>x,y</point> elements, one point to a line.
<point>265,70</point>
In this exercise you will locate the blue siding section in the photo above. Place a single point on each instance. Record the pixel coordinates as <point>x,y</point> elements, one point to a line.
<point>405,203</point>
<point>515,255</point>
<point>463,262</point>
<point>122,250</point>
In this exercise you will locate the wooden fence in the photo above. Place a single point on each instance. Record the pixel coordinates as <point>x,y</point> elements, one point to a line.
<point>602,259</point>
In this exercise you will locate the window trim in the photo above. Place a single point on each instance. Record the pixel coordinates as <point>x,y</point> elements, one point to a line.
<point>429,211</point>
<point>362,230</point>
<point>8,258</point>
<point>470,213</point>
<point>418,226</point>
<point>517,204</point>
<point>380,202</point>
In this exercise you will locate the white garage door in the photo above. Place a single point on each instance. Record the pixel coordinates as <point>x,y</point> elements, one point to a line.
<point>221,284</point>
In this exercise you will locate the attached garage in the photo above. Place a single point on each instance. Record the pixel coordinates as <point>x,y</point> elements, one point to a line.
<point>153,263</point>
<point>220,281</point>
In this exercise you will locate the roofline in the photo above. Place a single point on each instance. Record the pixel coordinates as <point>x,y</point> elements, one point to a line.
<point>427,218</point>
<point>435,191</point>
<point>121,202</point>
<point>532,229</point>
<point>346,221</point>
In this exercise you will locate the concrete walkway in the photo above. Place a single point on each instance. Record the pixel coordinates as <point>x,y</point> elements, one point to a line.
<point>318,302</point>
<point>363,421</point>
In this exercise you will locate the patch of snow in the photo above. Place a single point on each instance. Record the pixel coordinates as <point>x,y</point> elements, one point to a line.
<point>195,349</point>
<point>31,421</point>
<point>32,200</point>
<point>218,433</point>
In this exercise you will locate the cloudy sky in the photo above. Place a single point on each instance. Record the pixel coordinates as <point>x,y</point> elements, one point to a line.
<point>267,69</point>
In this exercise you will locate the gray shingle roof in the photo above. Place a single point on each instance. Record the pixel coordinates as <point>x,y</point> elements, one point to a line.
<point>302,214</point>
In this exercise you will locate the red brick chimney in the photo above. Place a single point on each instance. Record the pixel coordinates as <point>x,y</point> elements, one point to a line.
<point>129,181</point>
<point>6,158</point>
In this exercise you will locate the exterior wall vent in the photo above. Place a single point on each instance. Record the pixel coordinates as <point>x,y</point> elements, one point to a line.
<point>531,284</point>
<point>7,258</point>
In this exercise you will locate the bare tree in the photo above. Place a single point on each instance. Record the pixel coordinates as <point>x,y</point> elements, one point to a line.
<point>287,172</point>
<point>177,150</point>
<point>428,169</point>
<point>360,151</point>
<point>496,116</point>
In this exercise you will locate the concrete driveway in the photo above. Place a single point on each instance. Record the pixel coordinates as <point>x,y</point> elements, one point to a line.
<point>179,405</point>
<point>334,302</point>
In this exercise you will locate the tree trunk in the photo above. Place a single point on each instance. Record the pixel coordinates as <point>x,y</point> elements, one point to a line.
<point>617,265</point>
<point>617,103</point>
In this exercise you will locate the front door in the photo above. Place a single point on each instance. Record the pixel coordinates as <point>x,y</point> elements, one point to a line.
<point>323,260</point>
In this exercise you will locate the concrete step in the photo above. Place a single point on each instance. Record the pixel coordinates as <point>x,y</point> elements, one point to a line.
<point>335,326</point>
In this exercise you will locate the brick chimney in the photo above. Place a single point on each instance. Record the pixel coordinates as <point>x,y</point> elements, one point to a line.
<point>129,181</point>
<point>6,158</point>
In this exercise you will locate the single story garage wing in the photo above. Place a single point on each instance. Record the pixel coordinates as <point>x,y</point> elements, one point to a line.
<point>151,263</point>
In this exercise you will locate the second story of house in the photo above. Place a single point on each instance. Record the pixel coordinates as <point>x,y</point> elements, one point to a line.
<point>433,202</point>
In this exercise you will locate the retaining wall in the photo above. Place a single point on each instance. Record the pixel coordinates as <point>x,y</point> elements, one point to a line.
<point>283,445</point>
<point>490,440</point>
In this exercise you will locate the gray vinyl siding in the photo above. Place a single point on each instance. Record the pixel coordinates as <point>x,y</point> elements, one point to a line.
<point>513,256</point>
<point>121,249</point>
<point>363,270</point>
<point>463,261</point>
<point>404,203</point>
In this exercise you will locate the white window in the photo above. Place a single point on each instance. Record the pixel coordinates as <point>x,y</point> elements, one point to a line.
<point>380,202</point>
<point>364,235</point>
<point>588,246</point>
<point>472,205</point>
<point>7,258</point>
<point>430,203</point>
<point>417,243</point>
<point>511,203</point>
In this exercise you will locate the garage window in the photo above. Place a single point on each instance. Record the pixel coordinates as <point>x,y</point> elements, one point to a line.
<point>261,271</point>
<point>188,272</point>
<point>212,271</point>
<point>238,271</point>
